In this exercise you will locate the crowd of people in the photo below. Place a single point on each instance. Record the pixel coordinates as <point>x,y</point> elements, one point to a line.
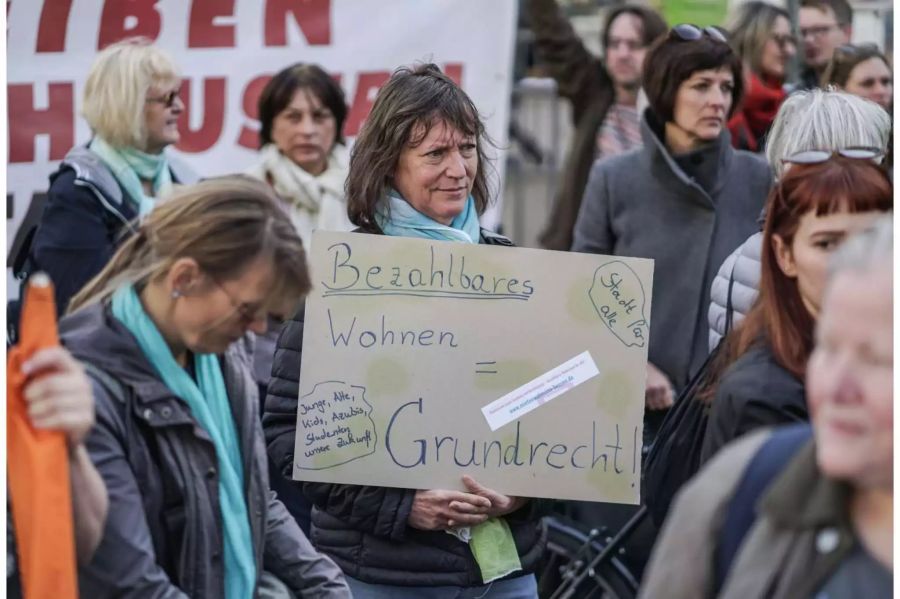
<point>181,314</point>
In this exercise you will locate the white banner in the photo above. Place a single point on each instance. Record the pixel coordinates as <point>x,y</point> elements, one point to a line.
<point>226,50</point>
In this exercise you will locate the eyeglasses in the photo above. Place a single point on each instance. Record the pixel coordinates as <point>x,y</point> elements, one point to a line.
<point>784,40</point>
<point>817,31</point>
<point>167,100</point>
<point>819,156</point>
<point>247,313</point>
<point>691,33</point>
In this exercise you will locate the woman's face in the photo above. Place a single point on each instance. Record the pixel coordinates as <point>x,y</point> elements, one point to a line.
<point>778,50</point>
<point>702,104</point>
<point>210,315</point>
<point>872,80</point>
<point>806,257</point>
<point>436,176</point>
<point>305,131</point>
<point>162,108</point>
<point>849,380</point>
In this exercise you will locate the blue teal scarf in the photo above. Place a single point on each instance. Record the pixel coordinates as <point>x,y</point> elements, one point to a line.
<point>208,401</point>
<point>129,166</point>
<point>396,217</point>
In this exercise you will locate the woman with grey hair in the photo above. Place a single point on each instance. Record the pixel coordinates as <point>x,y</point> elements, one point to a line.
<point>804,511</point>
<point>132,105</point>
<point>812,120</point>
<point>761,36</point>
<point>418,169</point>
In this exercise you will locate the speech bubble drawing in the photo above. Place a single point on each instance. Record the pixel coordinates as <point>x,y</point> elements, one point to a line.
<point>618,297</point>
<point>334,426</point>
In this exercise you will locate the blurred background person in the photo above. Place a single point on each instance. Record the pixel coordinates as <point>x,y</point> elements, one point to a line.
<point>178,439</point>
<point>757,378</point>
<point>824,25</point>
<point>418,169</point>
<point>686,199</point>
<point>799,512</point>
<point>808,120</point>
<point>132,105</point>
<point>862,70</point>
<point>602,92</point>
<point>761,37</point>
<point>303,157</point>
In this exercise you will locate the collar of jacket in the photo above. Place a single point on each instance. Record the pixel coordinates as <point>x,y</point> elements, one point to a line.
<point>89,167</point>
<point>94,335</point>
<point>714,159</point>
<point>803,498</point>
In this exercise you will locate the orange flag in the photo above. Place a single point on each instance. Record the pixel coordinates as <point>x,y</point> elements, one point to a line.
<point>38,465</point>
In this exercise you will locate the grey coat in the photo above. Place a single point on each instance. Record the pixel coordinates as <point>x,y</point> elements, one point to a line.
<point>163,534</point>
<point>644,204</point>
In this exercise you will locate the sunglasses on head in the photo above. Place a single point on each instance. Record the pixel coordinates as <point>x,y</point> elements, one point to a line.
<point>819,156</point>
<point>690,33</point>
<point>848,50</point>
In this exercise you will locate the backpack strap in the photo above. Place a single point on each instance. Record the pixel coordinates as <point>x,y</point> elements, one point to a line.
<point>769,460</point>
<point>729,302</point>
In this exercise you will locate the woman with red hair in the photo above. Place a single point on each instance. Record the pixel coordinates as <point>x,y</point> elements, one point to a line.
<point>822,199</point>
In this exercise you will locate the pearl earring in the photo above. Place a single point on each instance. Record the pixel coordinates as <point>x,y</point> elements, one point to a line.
<point>176,294</point>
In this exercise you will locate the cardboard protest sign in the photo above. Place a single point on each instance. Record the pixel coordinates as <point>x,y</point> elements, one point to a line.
<point>426,360</point>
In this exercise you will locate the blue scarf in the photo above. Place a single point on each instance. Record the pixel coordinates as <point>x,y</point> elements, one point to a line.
<point>208,401</point>
<point>130,166</point>
<point>399,219</point>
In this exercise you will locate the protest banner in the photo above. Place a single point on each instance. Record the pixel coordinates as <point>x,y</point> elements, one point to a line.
<point>227,50</point>
<point>426,360</point>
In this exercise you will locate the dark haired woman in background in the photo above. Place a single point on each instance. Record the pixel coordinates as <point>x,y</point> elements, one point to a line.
<point>301,113</point>
<point>685,200</point>
<point>863,71</point>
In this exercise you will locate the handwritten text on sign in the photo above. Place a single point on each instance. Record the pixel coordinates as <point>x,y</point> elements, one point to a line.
<point>406,340</point>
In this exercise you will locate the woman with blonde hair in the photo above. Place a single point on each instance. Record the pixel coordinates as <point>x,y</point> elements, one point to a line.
<point>132,105</point>
<point>761,36</point>
<point>177,438</point>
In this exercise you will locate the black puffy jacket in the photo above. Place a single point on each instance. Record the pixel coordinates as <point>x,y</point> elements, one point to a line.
<point>364,528</point>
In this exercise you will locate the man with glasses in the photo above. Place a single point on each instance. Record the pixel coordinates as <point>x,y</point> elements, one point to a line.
<point>824,26</point>
<point>603,94</point>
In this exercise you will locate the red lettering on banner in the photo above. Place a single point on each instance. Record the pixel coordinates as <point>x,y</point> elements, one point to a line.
<point>202,33</point>
<point>113,20</point>
<point>206,136</point>
<point>25,122</point>
<point>454,71</point>
<point>249,137</point>
<point>313,17</point>
<point>367,85</point>
<point>51,36</point>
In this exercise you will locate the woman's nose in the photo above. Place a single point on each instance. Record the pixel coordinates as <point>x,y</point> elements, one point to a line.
<point>456,166</point>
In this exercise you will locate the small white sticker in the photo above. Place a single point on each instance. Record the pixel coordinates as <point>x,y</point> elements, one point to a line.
<point>539,391</point>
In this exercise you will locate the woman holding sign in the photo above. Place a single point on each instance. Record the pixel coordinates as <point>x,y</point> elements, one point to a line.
<point>177,438</point>
<point>685,200</point>
<point>417,170</point>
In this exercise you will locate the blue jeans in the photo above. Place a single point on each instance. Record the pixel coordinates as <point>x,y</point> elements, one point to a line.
<point>522,587</point>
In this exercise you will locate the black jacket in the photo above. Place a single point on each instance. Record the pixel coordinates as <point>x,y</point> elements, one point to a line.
<point>364,528</point>
<point>86,216</point>
<point>753,392</point>
<point>163,532</point>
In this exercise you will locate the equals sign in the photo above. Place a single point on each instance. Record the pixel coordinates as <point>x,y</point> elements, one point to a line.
<point>485,367</point>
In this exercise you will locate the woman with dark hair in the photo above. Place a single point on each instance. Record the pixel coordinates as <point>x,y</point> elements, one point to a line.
<point>418,169</point>
<point>303,157</point>
<point>862,70</point>
<point>685,200</point>
<point>761,36</point>
<point>809,213</point>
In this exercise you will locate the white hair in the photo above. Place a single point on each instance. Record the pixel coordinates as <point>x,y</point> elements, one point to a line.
<point>116,89</point>
<point>825,120</point>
